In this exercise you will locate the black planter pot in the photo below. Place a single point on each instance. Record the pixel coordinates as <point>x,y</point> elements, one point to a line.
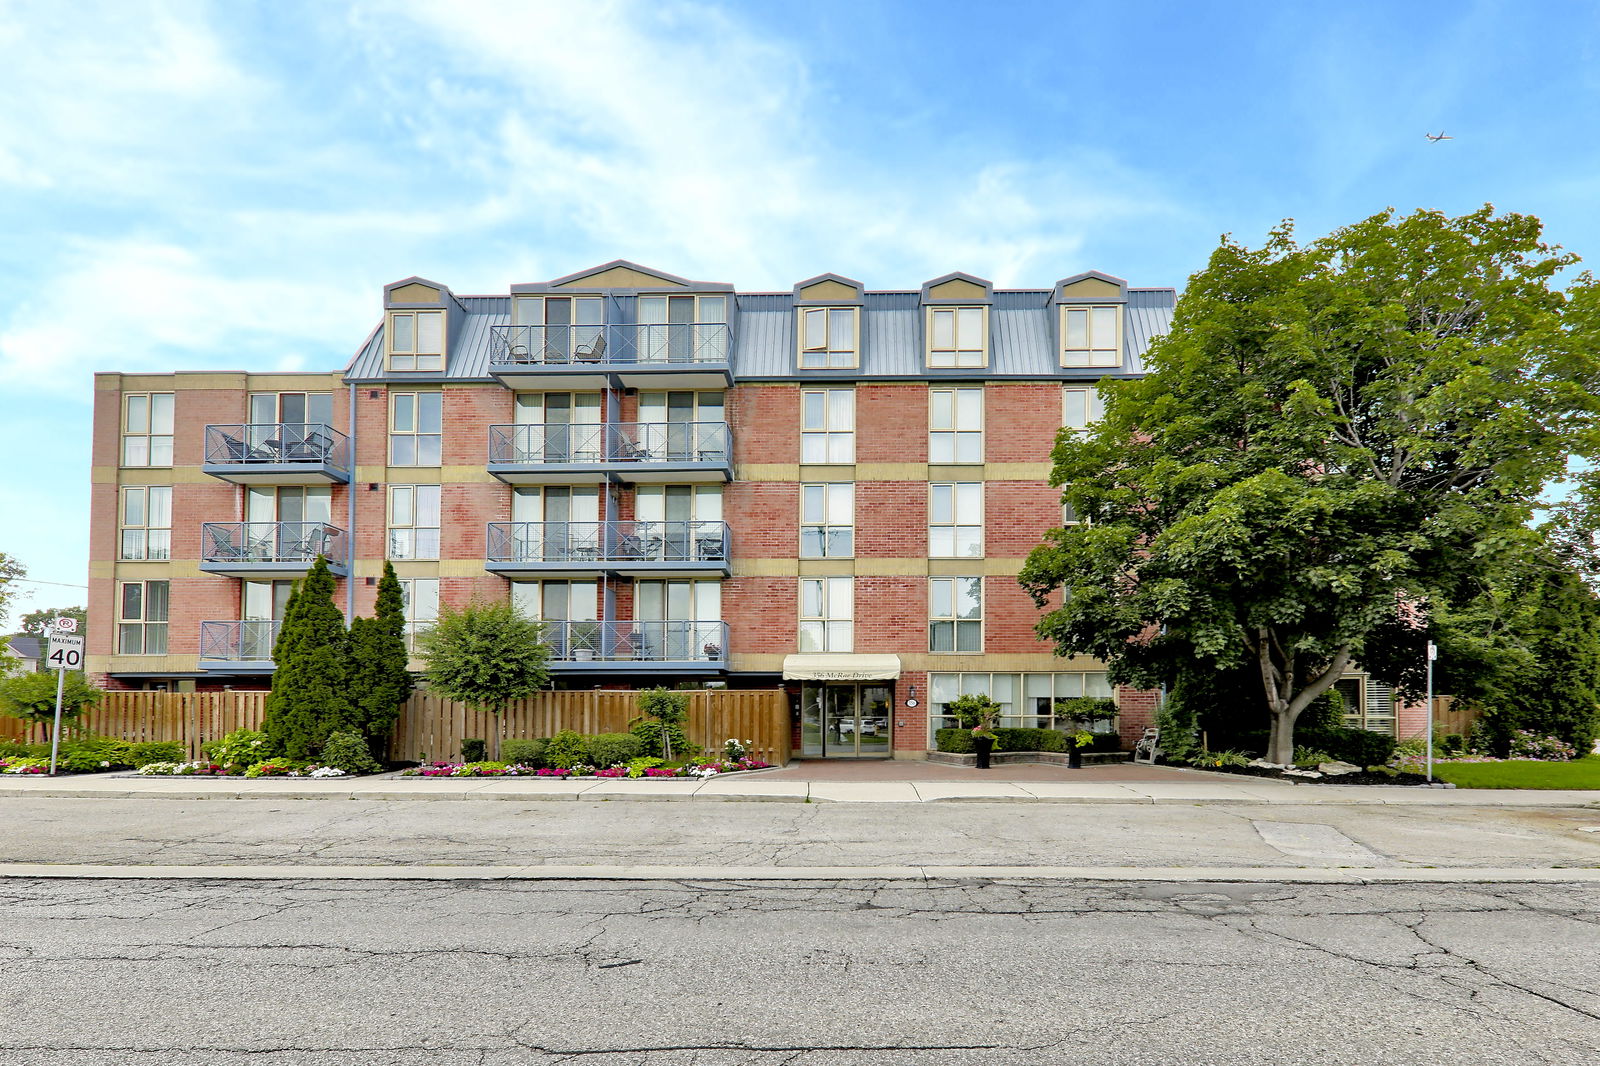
<point>1074,758</point>
<point>982,746</point>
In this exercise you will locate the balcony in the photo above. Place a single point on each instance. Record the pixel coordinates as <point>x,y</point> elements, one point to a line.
<point>687,355</point>
<point>584,454</point>
<point>277,453</point>
<point>665,647</point>
<point>269,549</point>
<point>238,647</point>
<point>628,549</point>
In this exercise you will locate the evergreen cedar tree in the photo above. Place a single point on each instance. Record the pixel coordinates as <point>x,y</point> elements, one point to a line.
<point>310,695</point>
<point>1335,439</point>
<point>379,679</point>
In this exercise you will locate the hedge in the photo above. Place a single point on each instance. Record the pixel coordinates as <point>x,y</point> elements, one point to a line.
<point>959,741</point>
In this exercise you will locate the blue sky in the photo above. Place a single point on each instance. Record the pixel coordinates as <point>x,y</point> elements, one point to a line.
<point>228,185</point>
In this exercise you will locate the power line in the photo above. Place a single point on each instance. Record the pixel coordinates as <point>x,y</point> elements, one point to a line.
<point>35,581</point>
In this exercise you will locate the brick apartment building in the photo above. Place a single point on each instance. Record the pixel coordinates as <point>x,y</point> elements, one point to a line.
<point>828,488</point>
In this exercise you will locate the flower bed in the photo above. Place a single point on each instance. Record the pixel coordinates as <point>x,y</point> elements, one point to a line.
<point>638,768</point>
<point>269,768</point>
<point>21,765</point>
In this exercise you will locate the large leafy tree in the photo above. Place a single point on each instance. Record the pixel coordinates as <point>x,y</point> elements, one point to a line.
<point>11,571</point>
<point>380,681</point>
<point>32,696</point>
<point>33,622</point>
<point>311,695</point>
<point>1332,434</point>
<point>485,655</point>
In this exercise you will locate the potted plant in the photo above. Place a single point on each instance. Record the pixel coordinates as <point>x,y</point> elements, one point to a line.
<point>979,714</point>
<point>1076,742</point>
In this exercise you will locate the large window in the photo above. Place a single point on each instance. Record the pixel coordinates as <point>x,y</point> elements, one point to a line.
<point>559,329</point>
<point>955,520</point>
<point>1026,700</point>
<point>147,429</point>
<point>827,520</point>
<point>416,340</point>
<point>1080,407</point>
<point>955,614</point>
<point>413,521</point>
<point>142,618</point>
<point>827,426</point>
<point>955,425</point>
<point>1368,704</point>
<point>957,337</point>
<point>827,613</point>
<point>294,408</point>
<point>147,522</point>
<point>415,423</point>
<point>828,337</point>
<point>421,596</point>
<point>1091,336</point>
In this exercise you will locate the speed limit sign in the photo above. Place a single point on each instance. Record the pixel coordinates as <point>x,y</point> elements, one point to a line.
<point>66,653</point>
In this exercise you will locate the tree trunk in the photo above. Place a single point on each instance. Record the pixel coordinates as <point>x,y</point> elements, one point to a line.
<point>1283,702</point>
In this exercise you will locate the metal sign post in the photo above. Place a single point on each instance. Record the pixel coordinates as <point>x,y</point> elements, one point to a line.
<point>66,652</point>
<point>1433,653</point>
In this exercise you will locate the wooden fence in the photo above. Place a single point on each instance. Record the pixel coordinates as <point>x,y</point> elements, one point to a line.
<point>1452,717</point>
<point>433,728</point>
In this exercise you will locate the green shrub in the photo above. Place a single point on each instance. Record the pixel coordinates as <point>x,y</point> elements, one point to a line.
<point>1452,744</point>
<point>973,710</point>
<point>347,750</point>
<point>660,727</point>
<point>1310,757</point>
<point>650,732</point>
<point>13,749</point>
<point>1361,747</point>
<point>566,750</point>
<point>90,754</point>
<point>637,767</point>
<point>612,749</point>
<point>956,741</point>
<point>1106,742</point>
<point>474,749</point>
<point>239,750</point>
<point>149,751</point>
<point>520,752</point>
<point>274,768</point>
<point>1086,709</point>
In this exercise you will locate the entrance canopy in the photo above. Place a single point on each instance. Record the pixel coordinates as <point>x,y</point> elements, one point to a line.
<point>841,667</point>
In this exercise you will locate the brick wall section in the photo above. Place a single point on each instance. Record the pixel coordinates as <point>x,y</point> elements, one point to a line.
<point>1021,421</point>
<point>763,518</point>
<point>761,613</point>
<point>892,519</point>
<point>765,424</point>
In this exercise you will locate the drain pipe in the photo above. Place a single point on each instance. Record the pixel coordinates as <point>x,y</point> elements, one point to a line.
<point>350,521</point>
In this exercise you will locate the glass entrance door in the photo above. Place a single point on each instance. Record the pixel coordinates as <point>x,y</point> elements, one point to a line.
<point>844,720</point>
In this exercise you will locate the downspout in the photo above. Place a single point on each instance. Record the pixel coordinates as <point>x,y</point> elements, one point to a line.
<point>350,521</point>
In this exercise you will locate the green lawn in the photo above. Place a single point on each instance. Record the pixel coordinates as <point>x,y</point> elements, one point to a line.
<point>1522,773</point>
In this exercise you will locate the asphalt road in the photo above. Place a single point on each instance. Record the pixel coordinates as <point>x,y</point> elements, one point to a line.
<point>798,974</point>
<point>346,832</point>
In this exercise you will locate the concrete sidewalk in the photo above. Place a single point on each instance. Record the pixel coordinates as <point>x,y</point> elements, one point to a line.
<point>1178,787</point>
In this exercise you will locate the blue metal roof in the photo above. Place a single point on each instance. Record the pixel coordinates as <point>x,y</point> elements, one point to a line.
<point>1022,343</point>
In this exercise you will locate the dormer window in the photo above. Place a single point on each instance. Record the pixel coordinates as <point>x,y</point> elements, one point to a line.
<point>1091,336</point>
<point>416,340</point>
<point>958,337</point>
<point>829,337</point>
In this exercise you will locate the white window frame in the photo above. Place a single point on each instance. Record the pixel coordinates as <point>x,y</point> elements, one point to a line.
<point>1098,350</point>
<point>953,619</point>
<point>967,346</point>
<point>1015,692</point>
<point>417,434</point>
<point>955,518</point>
<point>142,623</point>
<point>412,351</point>
<point>145,539</point>
<point>828,515</point>
<point>1081,406</point>
<point>818,336</point>
<point>420,596</point>
<point>414,521</point>
<point>952,438</point>
<point>835,435</point>
<point>147,435</point>
<point>827,614</point>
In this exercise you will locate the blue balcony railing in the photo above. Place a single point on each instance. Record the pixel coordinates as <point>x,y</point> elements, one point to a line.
<point>265,543</point>
<point>269,443</point>
<point>601,544</point>
<point>633,344</point>
<point>639,642</point>
<point>555,443</point>
<point>242,641</point>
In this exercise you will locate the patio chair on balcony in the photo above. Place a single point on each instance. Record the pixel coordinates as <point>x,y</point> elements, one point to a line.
<point>233,450</point>
<point>308,546</point>
<point>312,447</point>
<point>223,548</point>
<point>629,546</point>
<point>593,352</point>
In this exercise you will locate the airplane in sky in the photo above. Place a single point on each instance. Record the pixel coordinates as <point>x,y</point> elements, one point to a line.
<point>1440,136</point>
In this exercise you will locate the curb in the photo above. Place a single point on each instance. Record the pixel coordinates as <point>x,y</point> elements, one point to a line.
<point>1199,875</point>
